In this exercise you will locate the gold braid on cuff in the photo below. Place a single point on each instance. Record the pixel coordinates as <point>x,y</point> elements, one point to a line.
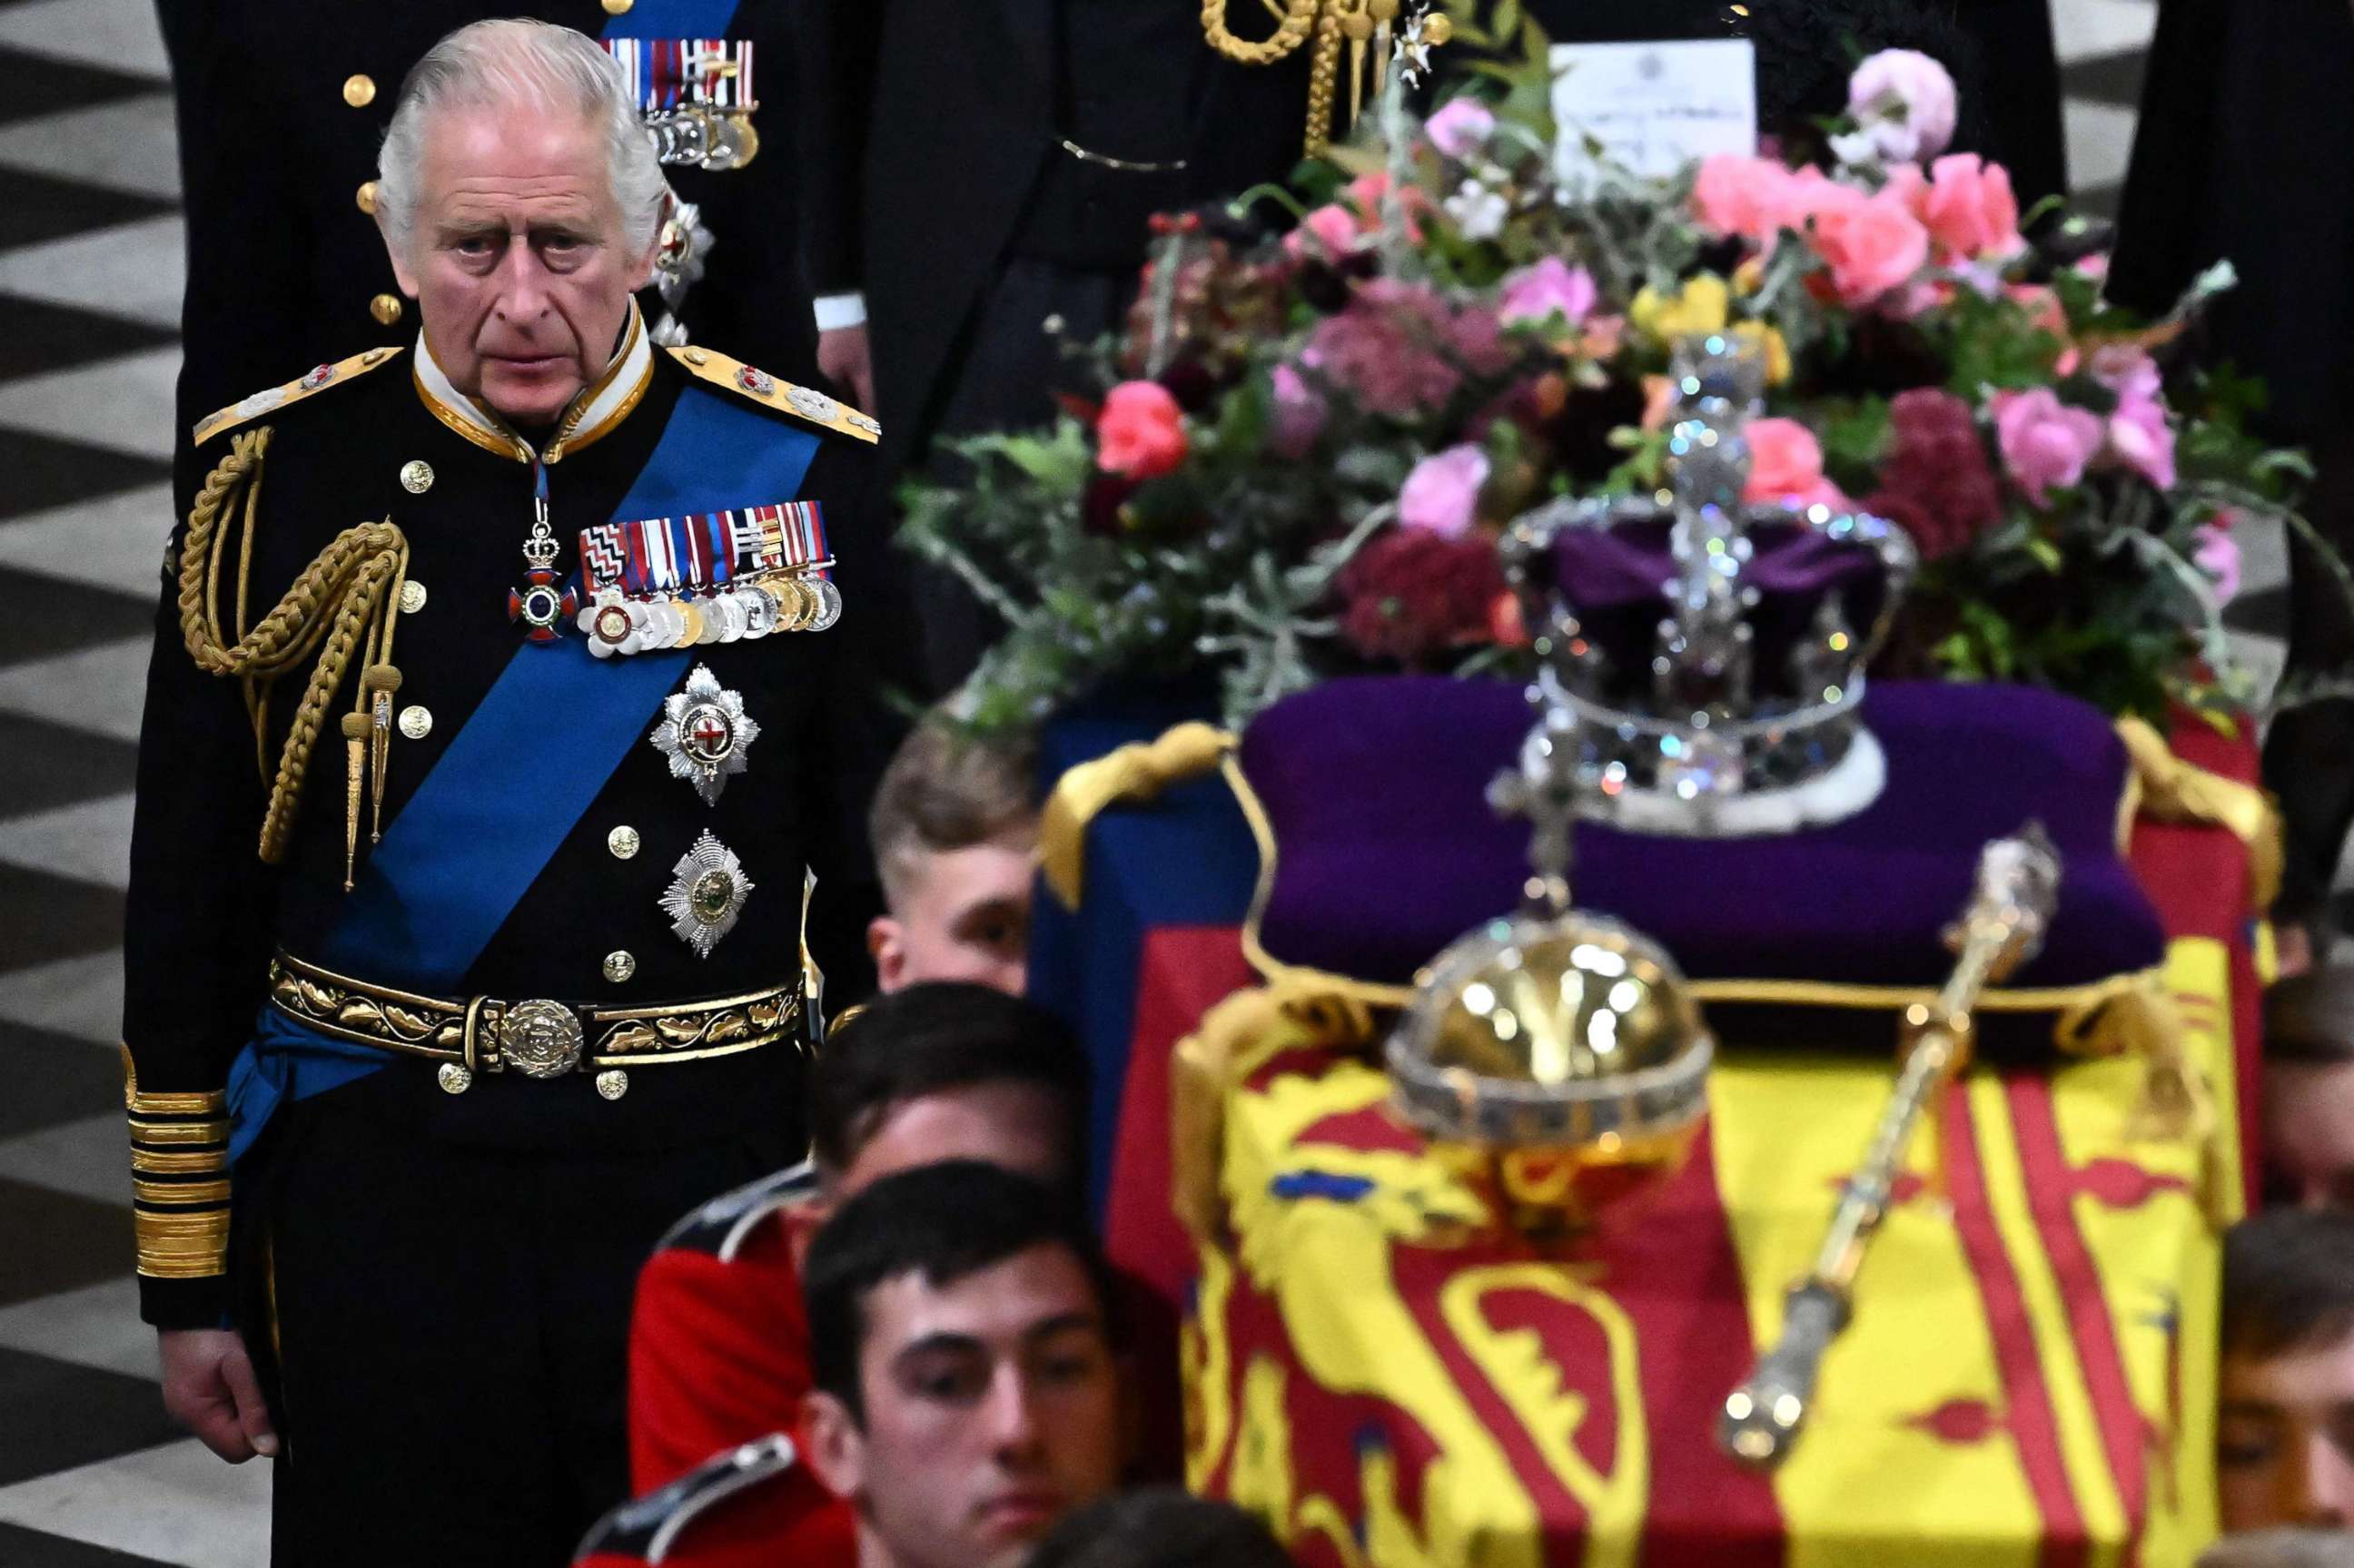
<point>179,1187</point>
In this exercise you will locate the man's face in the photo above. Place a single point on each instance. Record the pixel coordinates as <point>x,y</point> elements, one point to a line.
<point>1018,1125</point>
<point>2285,1446</point>
<point>516,257</point>
<point>963,915</point>
<point>2309,1132</point>
<point>992,1411</point>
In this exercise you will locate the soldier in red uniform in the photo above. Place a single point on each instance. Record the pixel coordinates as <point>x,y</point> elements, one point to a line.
<point>719,1343</point>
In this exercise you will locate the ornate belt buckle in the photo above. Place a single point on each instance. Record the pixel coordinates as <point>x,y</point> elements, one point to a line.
<point>541,1039</point>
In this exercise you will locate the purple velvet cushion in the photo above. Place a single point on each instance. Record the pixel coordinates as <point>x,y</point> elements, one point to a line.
<point>1388,851</point>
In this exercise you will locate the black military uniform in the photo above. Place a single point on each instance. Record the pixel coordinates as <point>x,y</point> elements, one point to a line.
<point>564,996</point>
<point>283,104</point>
<point>1069,124</point>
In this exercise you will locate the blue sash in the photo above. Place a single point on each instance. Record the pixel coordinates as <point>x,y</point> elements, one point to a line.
<point>484,823</point>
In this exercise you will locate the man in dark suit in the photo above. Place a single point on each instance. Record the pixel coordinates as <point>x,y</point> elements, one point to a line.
<point>976,169</point>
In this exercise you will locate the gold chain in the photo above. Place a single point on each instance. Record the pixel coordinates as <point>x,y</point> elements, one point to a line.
<point>343,600</point>
<point>1291,32</point>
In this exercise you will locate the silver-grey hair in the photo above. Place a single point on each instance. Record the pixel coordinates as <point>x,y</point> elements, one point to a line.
<point>493,64</point>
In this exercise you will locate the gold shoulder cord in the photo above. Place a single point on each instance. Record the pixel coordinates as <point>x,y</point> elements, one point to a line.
<point>343,602</point>
<point>1359,22</point>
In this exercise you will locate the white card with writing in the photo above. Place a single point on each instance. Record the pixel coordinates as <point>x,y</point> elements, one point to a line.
<point>1652,107</point>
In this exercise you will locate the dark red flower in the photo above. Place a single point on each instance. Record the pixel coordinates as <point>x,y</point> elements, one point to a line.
<point>1937,472</point>
<point>1099,504</point>
<point>1410,594</point>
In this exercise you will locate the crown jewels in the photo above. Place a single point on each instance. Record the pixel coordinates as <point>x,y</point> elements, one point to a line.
<point>1704,657</point>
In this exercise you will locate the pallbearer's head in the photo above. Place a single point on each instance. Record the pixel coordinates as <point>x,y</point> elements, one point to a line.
<point>2285,1440</point>
<point>960,1343</point>
<point>521,200</point>
<point>2309,1128</point>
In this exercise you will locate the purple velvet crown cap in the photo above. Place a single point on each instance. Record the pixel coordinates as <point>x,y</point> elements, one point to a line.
<point>1614,580</point>
<point>1386,849</point>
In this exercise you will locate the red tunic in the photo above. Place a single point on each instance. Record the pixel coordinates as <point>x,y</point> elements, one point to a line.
<point>719,1356</point>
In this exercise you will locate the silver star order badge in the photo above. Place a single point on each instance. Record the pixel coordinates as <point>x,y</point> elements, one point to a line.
<point>704,732</point>
<point>706,895</point>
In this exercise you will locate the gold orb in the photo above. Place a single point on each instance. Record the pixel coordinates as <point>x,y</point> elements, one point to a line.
<point>1563,1058</point>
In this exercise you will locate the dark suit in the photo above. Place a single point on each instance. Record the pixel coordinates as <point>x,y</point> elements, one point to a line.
<point>928,126</point>
<point>2246,152</point>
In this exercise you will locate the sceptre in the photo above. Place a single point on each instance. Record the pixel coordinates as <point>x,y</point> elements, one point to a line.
<point>2018,883</point>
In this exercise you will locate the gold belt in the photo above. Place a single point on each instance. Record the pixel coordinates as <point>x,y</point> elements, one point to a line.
<point>538,1038</point>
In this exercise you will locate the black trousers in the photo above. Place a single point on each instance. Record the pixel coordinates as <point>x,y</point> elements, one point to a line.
<point>1007,370</point>
<point>447,1331</point>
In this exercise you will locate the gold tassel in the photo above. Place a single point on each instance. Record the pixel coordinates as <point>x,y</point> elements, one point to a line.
<point>2173,790</point>
<point>1135,772</point>
<point>356,742</point>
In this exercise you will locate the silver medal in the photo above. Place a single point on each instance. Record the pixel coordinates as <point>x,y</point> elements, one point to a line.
<point>706,895</point>
<point>704,732</point>
<point>829,602</point>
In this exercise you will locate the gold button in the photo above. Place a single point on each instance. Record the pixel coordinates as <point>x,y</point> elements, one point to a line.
<point>619,7</point>
<point>412,596</point>
<point>417,721</point>
<point>417,476</point>
<point>622,842</point>
<point>619,965</point>
<point>372,355</point>
<point>455,1080</point>
<point>385,308</point>
<point>613,1083</point>
<point>359,91</point>
<point>697,357</point>
<point>366,197</point>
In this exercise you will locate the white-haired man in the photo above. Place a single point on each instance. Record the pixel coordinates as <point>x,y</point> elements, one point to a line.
<point>496,960</point>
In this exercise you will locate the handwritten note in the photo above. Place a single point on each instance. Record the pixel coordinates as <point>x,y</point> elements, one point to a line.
<point>1652,107</point>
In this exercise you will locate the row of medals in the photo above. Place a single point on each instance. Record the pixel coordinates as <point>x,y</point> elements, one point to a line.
<point>746,610</point>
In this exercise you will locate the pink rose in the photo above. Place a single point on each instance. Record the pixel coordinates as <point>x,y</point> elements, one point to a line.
<point>1873,246</point>
<point>1460,128</point>
<point>1299,415</point>
<point>1904,103</point>
<point>1141,432</point>
<point>2044,442</point>
<point>1751,197</point>
<point>1548,289</point>
<point>1366,192</point>
<point>1332,227</point>
<point>2140,438</point>
<point>1442,494</point>
<point>2218,554</point>
<point>1786,464</point>
<point>1971,210</point>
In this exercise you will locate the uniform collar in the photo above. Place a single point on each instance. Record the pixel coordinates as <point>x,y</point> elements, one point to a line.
<point>600,406</point>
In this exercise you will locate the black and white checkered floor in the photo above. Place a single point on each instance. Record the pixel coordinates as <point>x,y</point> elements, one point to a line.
<point>91,1471</point>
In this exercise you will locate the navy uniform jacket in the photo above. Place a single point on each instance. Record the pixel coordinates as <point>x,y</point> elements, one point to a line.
<point>205,912</point>
<point>285,267</point>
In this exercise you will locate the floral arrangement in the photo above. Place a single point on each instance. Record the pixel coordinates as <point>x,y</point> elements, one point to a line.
<point>1306,445</point>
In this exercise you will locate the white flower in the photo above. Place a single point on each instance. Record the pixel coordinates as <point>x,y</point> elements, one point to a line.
<point>1905,102</point>
<point>1478,211</point>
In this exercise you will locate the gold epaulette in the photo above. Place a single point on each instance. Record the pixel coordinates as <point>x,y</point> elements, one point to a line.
<point>803,402</point>
<point>273,398</point>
